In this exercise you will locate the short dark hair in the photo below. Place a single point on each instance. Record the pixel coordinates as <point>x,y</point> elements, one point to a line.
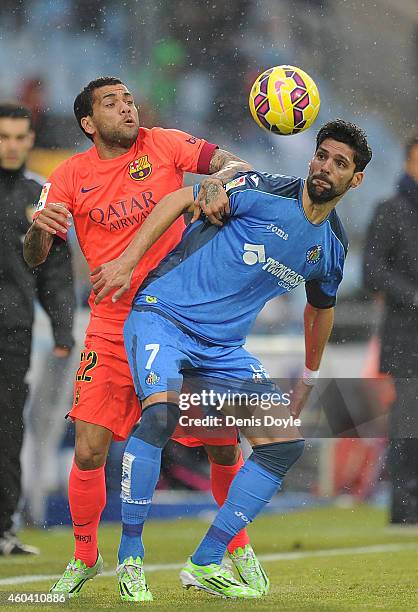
<point>14,110</point>
<point>83,104</point>
<point>351,135</point>
<point>410,144</point>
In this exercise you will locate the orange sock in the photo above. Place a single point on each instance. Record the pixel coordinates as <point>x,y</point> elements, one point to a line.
<point>221,477</point>
<point>87,497</point>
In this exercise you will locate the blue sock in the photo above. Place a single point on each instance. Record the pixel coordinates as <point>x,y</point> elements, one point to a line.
<point>252,488</point>
<point>140,473</point>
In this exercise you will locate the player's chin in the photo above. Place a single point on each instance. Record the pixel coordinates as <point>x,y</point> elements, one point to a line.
<point>128,134</point>
<point>11,165</point>
<point>320,197</point>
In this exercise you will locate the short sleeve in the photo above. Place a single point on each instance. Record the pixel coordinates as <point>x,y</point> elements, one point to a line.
<point>190,154</point>
<point>322,293</point>
<point>57,190</point>
<point>234,188</point>
<point>240,191</point>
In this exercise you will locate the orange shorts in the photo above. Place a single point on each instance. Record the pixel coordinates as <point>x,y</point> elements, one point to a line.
<point>104,393</point>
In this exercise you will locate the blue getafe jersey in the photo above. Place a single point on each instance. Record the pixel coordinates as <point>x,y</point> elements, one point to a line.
<point>216,281</point>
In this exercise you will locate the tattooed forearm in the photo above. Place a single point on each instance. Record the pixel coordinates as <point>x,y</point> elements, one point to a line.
<point>225,165</point>
<point>36,246</point>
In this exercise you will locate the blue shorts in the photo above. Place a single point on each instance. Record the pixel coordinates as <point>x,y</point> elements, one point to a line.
<point>161,355</point>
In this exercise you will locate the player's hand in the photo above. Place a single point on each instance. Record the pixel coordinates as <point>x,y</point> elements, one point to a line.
<point>115,274</point>
<point>213,201</point>
<point>300,396</point>
<point>53,218</point>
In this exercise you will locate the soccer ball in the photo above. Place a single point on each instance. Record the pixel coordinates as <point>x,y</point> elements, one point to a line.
<point>284,100</point>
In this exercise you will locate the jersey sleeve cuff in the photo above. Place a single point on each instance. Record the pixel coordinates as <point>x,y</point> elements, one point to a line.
<point>317,298</point>
<point>322,302</point>
<point>205,157</point>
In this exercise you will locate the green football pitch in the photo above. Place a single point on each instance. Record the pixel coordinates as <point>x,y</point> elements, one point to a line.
<point>323,559</point>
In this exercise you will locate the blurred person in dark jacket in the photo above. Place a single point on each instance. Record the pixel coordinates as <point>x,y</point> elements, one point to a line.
<point>51,284</point>
<point>391,271</point>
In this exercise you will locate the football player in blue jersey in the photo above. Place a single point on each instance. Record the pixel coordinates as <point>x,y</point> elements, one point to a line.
<point>193,312</point>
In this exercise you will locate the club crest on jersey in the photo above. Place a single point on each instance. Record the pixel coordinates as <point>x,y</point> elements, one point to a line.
<point>314,254</point>
<point>152,378</point>
<point>140,168</point>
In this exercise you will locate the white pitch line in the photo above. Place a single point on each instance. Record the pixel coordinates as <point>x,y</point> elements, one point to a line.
<point>288,556</point>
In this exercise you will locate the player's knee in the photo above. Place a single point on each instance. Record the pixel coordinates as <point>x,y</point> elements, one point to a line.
<point>278,457</point>
<point>158,423</point>
<point>89,456</point>
<point>223,455</point>
<point>91,445</point>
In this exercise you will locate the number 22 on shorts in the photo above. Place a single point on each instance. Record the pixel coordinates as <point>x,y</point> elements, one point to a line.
<point>88,361</point>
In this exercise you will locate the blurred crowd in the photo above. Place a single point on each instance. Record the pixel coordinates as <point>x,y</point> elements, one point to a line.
<point>191,65</point>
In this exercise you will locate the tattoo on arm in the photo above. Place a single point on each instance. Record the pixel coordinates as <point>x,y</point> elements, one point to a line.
<point>36,246</point>
<point>225,165</point>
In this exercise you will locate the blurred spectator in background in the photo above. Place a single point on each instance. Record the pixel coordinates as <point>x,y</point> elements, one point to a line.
<point>391,271</point>
<point>51,283</point>
<point>156,81</point>
<point>33,96</point>
<point>13,13</point>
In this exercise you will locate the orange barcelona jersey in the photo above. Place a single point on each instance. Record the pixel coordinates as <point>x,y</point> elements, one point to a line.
<point>110,199</point>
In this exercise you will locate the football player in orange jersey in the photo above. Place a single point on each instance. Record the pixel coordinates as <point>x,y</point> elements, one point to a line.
<point>108,191</point>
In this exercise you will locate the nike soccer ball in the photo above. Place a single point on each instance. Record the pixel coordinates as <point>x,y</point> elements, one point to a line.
<point>284,100</point>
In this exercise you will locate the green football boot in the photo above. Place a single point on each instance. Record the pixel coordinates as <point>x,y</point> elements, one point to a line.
<point>250,569</point>
<point>132,583</point>
<point>74,577</point>
<point>215,579</point>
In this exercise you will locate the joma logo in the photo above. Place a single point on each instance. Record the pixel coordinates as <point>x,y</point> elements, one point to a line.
<point>278,231</point>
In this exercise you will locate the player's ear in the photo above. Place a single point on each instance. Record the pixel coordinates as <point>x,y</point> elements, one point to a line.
<point>87,125</point>
<point>357,179</point>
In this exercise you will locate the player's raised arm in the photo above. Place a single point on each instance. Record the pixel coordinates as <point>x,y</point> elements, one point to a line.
<point>222,167</point>
<point>36,246</point>
<point>117,274</point>
<point>318,327</point>
<point>53,219</point>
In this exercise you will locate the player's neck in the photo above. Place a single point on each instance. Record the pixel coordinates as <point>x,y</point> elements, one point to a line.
<point>110,151</point>
<point>316,213</point>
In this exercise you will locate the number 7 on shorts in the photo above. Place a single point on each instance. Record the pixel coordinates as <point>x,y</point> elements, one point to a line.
<point>154,348</point>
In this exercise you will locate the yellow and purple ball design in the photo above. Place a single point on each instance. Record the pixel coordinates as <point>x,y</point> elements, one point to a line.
<point>284,100</point>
